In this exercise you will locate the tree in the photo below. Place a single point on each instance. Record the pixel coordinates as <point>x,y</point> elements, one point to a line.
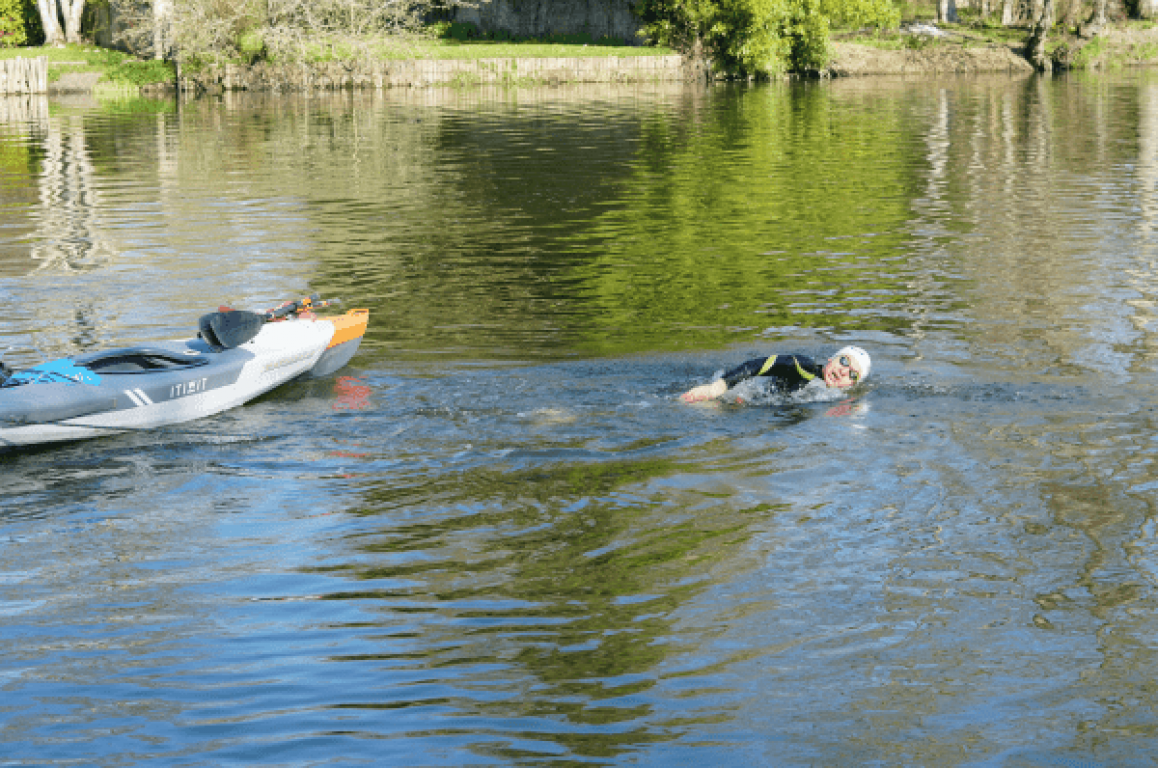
<point>1038,35</point>
<point>19,23</point>
<point>162,28</point>
<point>53,12</point>
<point>284,30</point>
<point>1007,9</point>
<point>760,38</point>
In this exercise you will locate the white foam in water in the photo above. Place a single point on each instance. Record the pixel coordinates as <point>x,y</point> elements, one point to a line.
<point>757,391</point>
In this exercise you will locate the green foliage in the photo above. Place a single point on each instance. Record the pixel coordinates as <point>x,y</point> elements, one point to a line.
<point>461,31</point>
<point>760,38</point>
<point>918,10</point>
<point>19,23</point>
<point>251,45</point>
<point>141,72</point>
<point>1143,52</point>
<point>919,42</point>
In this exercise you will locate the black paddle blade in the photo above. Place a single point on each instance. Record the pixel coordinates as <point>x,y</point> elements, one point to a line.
<point>229,329</point>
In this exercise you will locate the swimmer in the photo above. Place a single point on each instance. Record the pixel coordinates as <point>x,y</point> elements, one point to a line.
<point>847,367</point>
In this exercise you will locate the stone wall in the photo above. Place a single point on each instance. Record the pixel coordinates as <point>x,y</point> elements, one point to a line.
<point>424,73</point>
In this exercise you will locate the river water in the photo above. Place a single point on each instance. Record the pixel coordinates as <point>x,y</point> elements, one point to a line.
<point>498,537</point>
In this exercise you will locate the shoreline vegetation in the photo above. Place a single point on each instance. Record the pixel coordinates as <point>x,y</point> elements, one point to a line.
<point>914,49</point>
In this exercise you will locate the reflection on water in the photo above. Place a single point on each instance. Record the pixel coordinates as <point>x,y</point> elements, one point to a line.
<point>499,537</point>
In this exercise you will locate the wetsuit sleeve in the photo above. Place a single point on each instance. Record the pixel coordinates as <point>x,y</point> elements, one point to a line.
<point>748,369</point>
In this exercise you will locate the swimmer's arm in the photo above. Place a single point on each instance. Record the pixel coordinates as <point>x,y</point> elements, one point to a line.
<point>731,378</point>
<point>705,392</point>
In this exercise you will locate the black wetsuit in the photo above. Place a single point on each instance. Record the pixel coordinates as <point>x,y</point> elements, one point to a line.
<point>790,372</point>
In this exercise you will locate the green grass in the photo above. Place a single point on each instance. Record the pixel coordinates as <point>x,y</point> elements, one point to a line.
<point>971,32</point>
<point>138,73</point>
<point>1146,52</point>
<point>89,55</point>
<point>423,48</point>
<point>118,68</point>
<point>122,69</point>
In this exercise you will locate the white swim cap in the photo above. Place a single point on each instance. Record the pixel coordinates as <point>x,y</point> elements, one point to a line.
<point>860,358</point>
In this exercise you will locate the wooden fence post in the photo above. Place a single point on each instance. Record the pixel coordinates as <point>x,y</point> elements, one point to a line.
<point>20,75</point>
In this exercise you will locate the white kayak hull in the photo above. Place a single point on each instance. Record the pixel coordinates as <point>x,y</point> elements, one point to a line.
<point>178,381</point>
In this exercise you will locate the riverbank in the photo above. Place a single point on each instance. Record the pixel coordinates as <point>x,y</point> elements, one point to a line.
<point>861,60</point>
<point>957,50</point>
<point>424,73</point>
<point>961,50</point>
<point>92,69</point>
<point>954,50</point>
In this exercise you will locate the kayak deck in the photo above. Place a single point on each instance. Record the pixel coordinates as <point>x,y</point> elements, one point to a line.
<point>169,382</point>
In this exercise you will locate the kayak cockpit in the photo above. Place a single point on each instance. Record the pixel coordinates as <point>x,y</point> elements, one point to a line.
<point>139,360</point>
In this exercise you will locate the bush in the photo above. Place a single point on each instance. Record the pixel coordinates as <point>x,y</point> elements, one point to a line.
<point>919,42</point>
<point>760,38</point>
<point>19,23</point>
<point>251,45</point>
<point>462,30</point>
<point>140,73</point>
<point>454,30</point>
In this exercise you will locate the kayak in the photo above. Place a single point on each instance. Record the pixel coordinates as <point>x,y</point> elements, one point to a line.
<point>171,382</point>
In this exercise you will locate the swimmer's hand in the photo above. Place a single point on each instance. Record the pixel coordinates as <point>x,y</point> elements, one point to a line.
<point>705,391</point>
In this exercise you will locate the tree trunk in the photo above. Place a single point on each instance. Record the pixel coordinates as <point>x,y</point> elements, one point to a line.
<point>1036,7</point>
<point>1096,23</point>
<point>947,11</point>
<point>1006,13</point>
<point>1037,38</point>
<point>162,37</point>
<point>50,20</point>
<point>73,10</point>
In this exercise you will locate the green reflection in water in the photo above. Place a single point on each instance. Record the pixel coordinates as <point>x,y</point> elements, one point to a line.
<point>572,574</point>
<point>20,161</point>
<point>778,206</point>
<point>550,223</point>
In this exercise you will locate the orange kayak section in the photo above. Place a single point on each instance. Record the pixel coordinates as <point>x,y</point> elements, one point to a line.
<point>349,326</point>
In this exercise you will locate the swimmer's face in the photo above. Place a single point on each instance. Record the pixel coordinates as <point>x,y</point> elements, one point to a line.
<point>841,372</point>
